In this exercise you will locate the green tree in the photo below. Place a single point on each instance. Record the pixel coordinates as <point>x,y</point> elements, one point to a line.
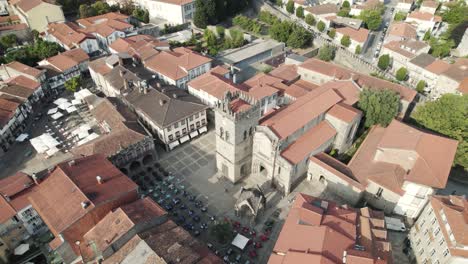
<point>384,62</point>
<point>279,3</point>
<point>9,41</point>
<point>220,30</point>
<point>310,20</point>
<point>401,74</point>
<point>290,7</point>
<point>299,38</point>
<point>141,14</point>
<point>281,31</point>
<point>73,84</point>
<point>372,18</point>
<point>321,26</point>
<point>420,86</point>
<point>101,7</point>
<point>457,13</point>
<point>345,41</point>
<point>427,35</point>
<point>210,38</point>
<point>346,4</point>
<point>358,49</point>
<point>35,34</point>
<point>344,12</point>
<point>200,18</point>
<point>400,16</point>
<point>379,106</point>
<point>300,12</point>
<point>326,53</point>
<point>86,11</point>
<point>223,232</point>
<point>447,116</point>
<point>440,47</point>
<point>332,33</point>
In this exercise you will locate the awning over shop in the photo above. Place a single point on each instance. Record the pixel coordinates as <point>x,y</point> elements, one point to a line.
<point>184,139</point>
<point>202,130</point>
<point>194,134</point>
<point>174,144</point>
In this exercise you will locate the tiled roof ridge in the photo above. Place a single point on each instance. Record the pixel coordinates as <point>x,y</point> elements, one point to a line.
<point>64,174</point>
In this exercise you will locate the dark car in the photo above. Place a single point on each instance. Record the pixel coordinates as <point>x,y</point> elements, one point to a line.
<point>204,226</point>
<point>229,252</point>
<point>204,209</point>
<point>191,198</point>
<point>183,207</point>
<point>185,193</point>
<point>196,218</point>
<point>181,219</point>
<point>191,212</point>
<point>196,233</point>
<point>189,226</point>
<point>212,218</point>
<point>168,207</point>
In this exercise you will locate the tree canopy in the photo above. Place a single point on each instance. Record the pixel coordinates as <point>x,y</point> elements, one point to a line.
<point>384,62</point>
<point>372,18</point>
<point>420,86</point>
<point>379,106</point>
<point>210,12</point>
<point>401,74</point>
<point>345,41</point>
<point>310,20</point>
<point>447,116</point>
<point>33,53</point>
<point>290,7</point>
<point>326,53</point>
<point>321,26</point>
<point>300,12</point>
<point>299,38</point>
<point>345,4</point>
<point>332,33</point>
<point>8,41</point>
<point>141,14</point>
<point>223,232</point>
<point>358,49</point>
<point>440,47</point>
<point>73,84</point>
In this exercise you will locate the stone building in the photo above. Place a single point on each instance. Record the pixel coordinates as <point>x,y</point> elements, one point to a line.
<point>440,235</point>
<point>395,169</point>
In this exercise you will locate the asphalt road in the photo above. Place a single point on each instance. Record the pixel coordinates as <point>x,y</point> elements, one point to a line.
<point>372,44</point>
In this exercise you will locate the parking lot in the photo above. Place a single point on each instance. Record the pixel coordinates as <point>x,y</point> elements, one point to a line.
<point>184,181</point>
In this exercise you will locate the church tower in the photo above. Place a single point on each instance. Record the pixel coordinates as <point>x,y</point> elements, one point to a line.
<point>235,120</point>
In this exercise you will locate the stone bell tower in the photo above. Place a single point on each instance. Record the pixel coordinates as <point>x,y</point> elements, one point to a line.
<point>235,119</point>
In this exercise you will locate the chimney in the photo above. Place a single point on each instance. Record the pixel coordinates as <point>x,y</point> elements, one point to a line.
<point>161,102</point>
<point>99,180</point>
<point>71,163</point>
<point>84,205</point>
<point>34,178</point>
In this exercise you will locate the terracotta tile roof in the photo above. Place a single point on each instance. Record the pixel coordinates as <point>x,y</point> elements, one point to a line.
<point>359,35</point>
<point>16,91</point>
<point>6,211</point>
<point>59,197</point>
<point>215,85</point>
<point>344,112</point>
<point>15,27</point>
<point>68,59</point>
<point>8,19</point>
<point>348,90</point>
<point>395,46</point>
<point>137,44</point>
<point>402,29</point>
<point>67,34</point>
<point>105,24</point>
<point>458,71</point>
<point>438,67</point>
<point>341,73</point>
<point>321,231</point>
<point>424,16</point>
<point>295,91</point>
<point>23,81</point>
<point>432,157</point>
<point>308,86</point>
<point>428,3</point>
<point>287,72</point>
<point>20,67</point>
<point>238,105</point>
<point>309,142</point>
<point>176,64</point>
<point>294,116</point>
<point>463,87</point>
<point>15,184</point>
<point>27,5</point>
<point>118,132</point>
<point>8,106</point>
<point>118,223</point>
<point>323,9</point>
<point>455,209</point>
<point>261,91</point>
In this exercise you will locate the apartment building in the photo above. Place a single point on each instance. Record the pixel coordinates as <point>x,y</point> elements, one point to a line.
<point>439,236</point>
<point>178,66</point>
<point>323,13</point>
<point>321,231</point>
<point>424,22</point>
<point>68,36</point>
<point>171,114</point>
<point>358,37</point>
<point>64,66</point>
<point>403,51</point>
<point>37,13</point>
<point>426,68</point>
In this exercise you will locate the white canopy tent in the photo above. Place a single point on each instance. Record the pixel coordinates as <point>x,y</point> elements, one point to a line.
<point>60,101</point>
<point>82,94</point>
<point>22,137</point>
<point>76,102</point>
<point>87,139</point>
<point>240,241</point>
<point>44,142</point>
<point>56,116</point>
<point>71,109</point>
<point>64,105</point>
<point>21,249</point>
<point>52,111</point>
